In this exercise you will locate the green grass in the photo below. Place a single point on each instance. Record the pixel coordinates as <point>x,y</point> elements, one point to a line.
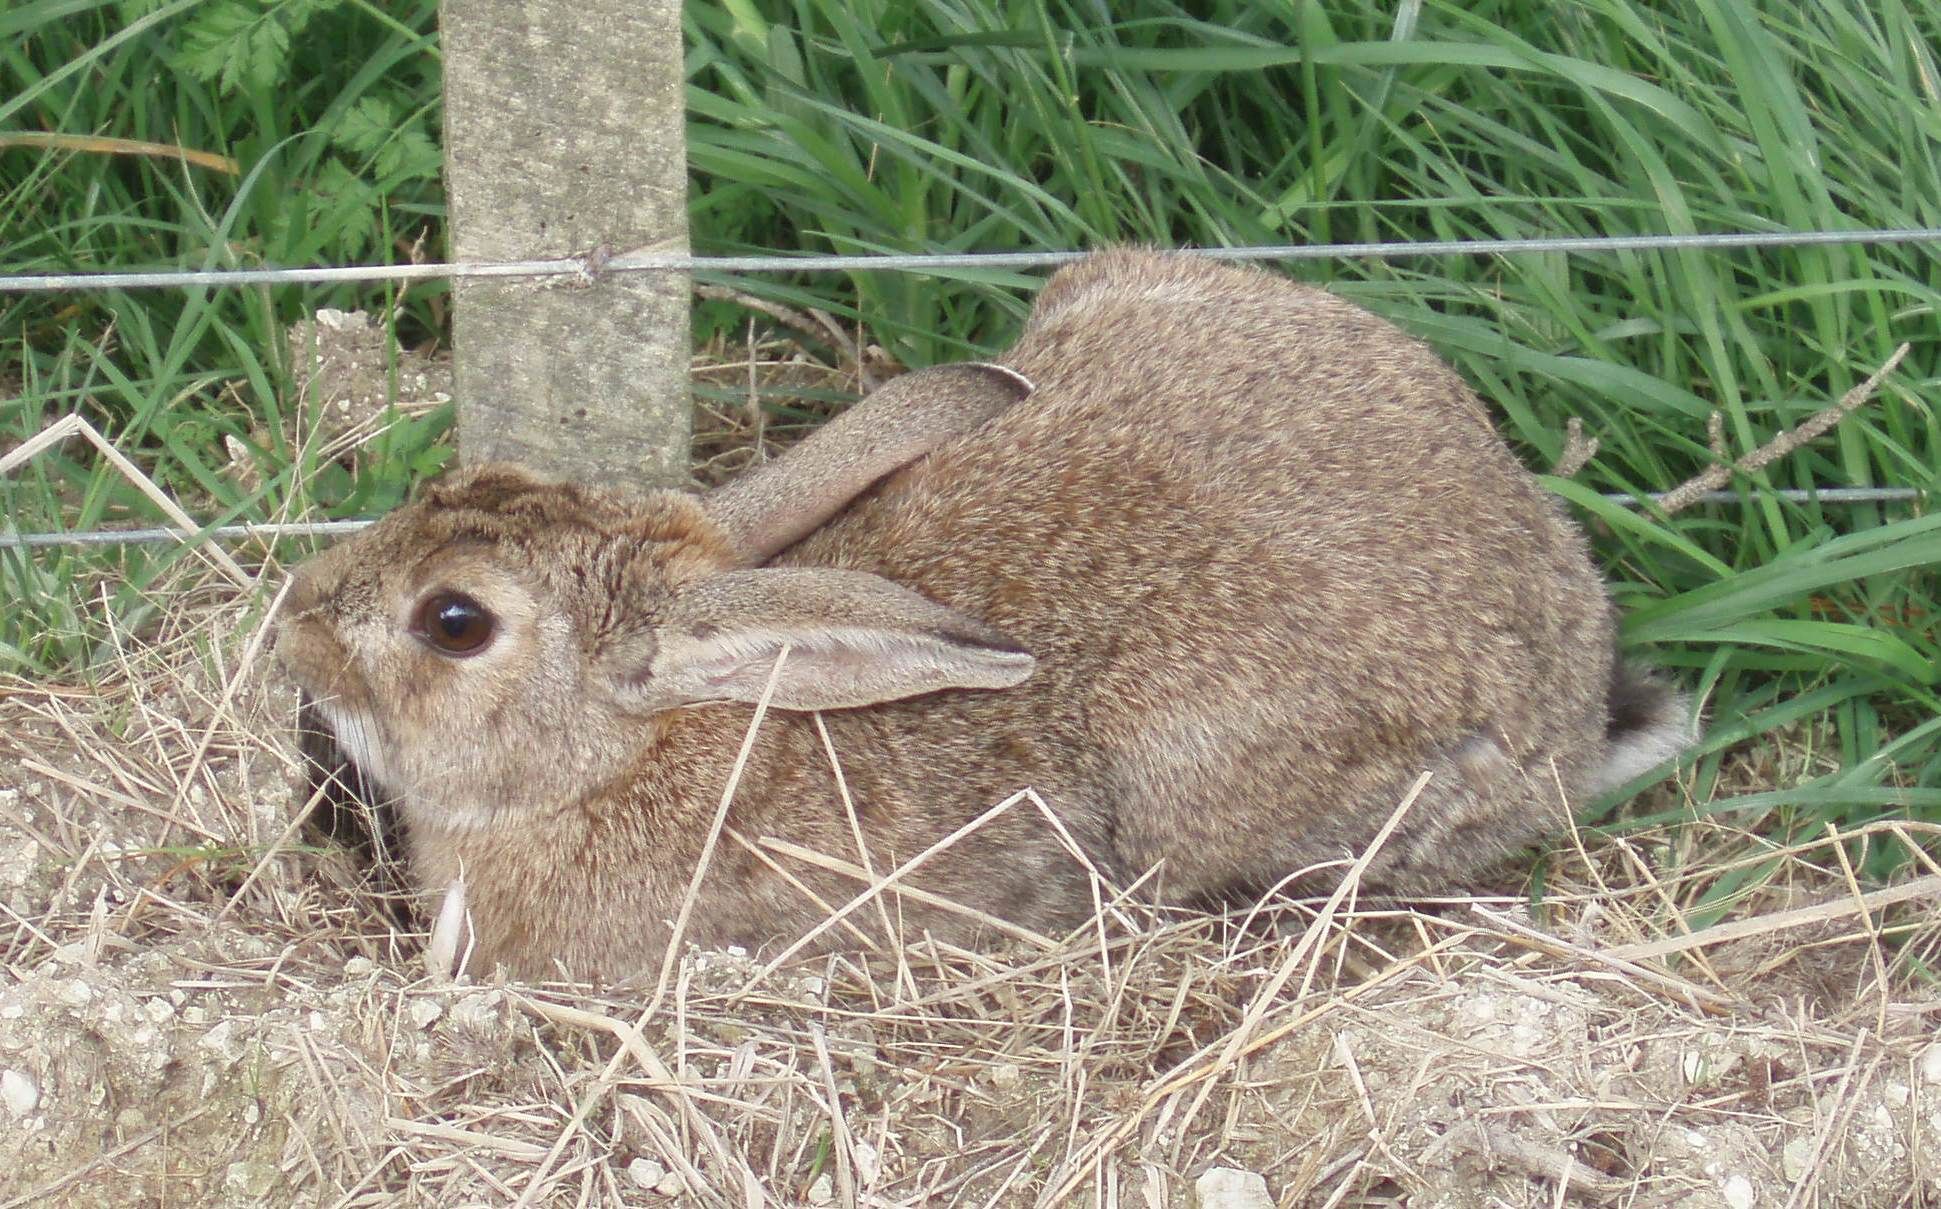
<point>950,125</point>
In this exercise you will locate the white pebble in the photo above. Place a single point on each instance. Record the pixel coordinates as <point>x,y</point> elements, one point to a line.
<point>249,1180</point>
<point>868,1162</point>
<point>424,1011</point>
<point>478,1012</point>
<point>221,1038</point>
<point>1692,1065</point>
<point>1931,1063</point>
<point>18,1092</point>
<point>670,1184</point>
<point>646,1173</point>
<point>1738,1192</point>
<point>822,1191</point>
<point>1230,1188</point>
<point>1796,1157</point>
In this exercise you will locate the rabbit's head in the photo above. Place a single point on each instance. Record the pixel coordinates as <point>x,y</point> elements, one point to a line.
<point>505,641</point>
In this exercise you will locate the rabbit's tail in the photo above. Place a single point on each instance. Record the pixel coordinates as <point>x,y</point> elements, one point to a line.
<point>1649,723</point>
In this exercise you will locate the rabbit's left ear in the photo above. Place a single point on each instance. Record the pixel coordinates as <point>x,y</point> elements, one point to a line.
<point>852,639</point>
<point>778,503</point>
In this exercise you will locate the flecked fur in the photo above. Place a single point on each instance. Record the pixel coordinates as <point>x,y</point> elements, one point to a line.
<point>1269,555</point>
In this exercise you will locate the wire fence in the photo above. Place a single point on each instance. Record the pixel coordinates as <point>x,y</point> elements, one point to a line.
<point>273,532</point>
<point>600,263</point>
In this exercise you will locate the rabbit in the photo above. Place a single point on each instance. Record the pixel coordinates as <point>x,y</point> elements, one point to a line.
<point>1216,563</point>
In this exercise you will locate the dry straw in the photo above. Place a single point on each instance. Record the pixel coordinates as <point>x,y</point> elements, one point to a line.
<point>1351,1052</point>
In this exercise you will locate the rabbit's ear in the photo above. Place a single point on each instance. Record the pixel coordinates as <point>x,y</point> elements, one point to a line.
<point>777,504</point>
<point>853,639</point>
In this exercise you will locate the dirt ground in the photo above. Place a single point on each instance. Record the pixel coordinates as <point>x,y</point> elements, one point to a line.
<point>203,1005</point>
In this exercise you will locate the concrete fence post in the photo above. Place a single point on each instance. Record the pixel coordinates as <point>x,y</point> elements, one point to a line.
<point>564,137</point>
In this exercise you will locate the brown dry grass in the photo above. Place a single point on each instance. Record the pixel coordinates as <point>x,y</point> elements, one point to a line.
<point>204,1007</point>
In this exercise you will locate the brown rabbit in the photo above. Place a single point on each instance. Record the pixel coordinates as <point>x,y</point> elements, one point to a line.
<point>1216,563</point>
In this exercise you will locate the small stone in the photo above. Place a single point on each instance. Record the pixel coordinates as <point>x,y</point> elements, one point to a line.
<point>424,1011</point>
<point>1931,1063</point>
<point>1006,1075</point>
<point>358,967</point>
<point>221,1038</point>
<point>77,993</point>
<point>1231,1188</point>
<point>1796,1157</point>
<point>250,1179</point>
<point>869,1163</point>
<point>18,1093</point>
<point>646,1173</point>
<point>1692,1065</point>
<point>822,1191</point>
<point>670,1184</point>
<point>478,1012</point>
<point>18,863</point>
<point>1738,1192</point>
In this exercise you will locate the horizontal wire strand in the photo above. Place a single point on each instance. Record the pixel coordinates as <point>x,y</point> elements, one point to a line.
<point>593,266</point>
<point>126,537</point>
<point>596,265</point>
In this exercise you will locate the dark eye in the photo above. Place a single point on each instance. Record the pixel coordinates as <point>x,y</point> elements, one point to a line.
<point>454,623</point>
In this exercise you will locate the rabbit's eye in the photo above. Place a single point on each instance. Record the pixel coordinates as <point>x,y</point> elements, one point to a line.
<point>453,623</point>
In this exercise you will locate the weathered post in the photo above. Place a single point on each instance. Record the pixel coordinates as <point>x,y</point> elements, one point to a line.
<point>564,137</point>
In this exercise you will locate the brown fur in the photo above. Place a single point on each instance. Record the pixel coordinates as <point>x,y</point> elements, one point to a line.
<point>1269,556</point>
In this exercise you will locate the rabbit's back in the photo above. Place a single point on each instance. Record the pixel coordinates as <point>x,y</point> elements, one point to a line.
<point>1273,562</point>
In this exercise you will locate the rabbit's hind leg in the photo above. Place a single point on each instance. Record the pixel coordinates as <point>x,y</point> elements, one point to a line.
<point>1478,806</point>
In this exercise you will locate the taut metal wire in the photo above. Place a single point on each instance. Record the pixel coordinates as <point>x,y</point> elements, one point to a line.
<point>271,532</point>
<point>594,265</point>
